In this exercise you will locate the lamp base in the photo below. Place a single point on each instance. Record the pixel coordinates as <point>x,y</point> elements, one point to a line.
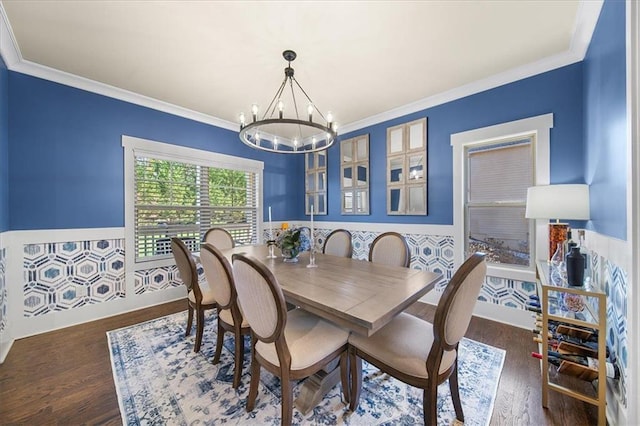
<point>557,234</point>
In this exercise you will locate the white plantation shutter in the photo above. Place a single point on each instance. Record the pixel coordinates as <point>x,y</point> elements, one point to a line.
<point>174,198</point>
<point>498,175</point>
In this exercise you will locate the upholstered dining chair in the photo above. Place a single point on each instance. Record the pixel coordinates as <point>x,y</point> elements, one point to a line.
<point>419,353</point>
<point>338,243</point>
<point>220,238</point>
<point>199,299</point>
<point>390,248</point>
<point>219,275</point>
<point>290,345</point>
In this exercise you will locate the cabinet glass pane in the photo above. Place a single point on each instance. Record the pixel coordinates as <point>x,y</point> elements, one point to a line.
<point>311,181</point>
<point>322,159</point>
<point>361,177</point>
<point>310,161</point>
<point>395,169</point>
<point>396,200</point>
<point>322,203</point>
<point>416,168</point>
<point>362,150</point>
<point>416,136</point>
<point>347,201</point>
<point>417,203</point>
<point>362,202</point>
<point>395,144</point>
<point>311,202</point>
<point>347,177</point>
<point>347,150</point>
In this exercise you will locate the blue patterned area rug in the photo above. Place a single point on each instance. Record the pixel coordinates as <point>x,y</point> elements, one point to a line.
<point>161,381</point>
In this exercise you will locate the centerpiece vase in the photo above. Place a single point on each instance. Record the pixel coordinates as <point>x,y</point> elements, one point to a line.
<point>290,255</point>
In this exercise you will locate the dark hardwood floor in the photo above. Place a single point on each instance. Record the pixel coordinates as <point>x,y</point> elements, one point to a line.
<point>64,377</point>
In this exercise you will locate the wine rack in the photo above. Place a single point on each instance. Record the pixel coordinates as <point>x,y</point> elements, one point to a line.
<point>578,310</point>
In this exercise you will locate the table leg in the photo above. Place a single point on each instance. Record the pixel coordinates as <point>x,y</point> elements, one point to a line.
<point>315,387</point>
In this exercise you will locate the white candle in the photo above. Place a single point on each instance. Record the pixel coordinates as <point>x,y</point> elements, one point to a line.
<point>312,226</point>
<point>270,225</point>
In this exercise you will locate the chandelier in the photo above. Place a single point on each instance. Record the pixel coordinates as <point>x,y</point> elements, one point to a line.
<point>275,133</point>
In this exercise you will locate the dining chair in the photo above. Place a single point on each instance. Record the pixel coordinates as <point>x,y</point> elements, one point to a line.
<point>220,238</point>
<point>390,248</point>
<point>200,296</point>
<point>338,243</point>
<point>290,345</point>
<point>219,275</point>
<point>419,353</point>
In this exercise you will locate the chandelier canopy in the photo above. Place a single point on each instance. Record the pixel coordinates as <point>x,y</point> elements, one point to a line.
<point>275,133</point>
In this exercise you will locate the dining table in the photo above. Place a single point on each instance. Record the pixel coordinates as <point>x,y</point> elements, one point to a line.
<point>358,295</point>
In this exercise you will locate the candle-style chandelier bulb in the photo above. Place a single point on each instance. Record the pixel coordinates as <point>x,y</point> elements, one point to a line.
<point>280,109</point>
<point>254,112</point>
<point>310,111</point>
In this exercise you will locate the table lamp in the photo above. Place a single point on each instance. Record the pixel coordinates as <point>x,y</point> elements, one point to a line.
<point>567,202</point>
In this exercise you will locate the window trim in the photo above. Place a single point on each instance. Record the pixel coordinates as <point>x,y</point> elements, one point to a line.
<point>538,126</point>
<point>143,147</point>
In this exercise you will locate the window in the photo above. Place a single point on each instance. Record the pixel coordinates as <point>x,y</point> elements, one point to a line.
<point>407,168</point>
<point>316,182</point>
<point>186,195</point>
<point>492,167</point>
<point>498,175</point>
<point>354,182</point>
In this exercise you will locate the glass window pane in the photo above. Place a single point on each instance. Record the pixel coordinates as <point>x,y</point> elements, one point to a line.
<point>416,167</point>
<point>322,180</point>
<point>310,161</point>
<point>501,232</point>
<point>361,149</point>
<point>417,203</point>
<point>311,181</point>
<point>416,136</point>
<point>395,144</point>
<point>347,151</point>
<point>322,159</point>
<point>396,201</point>
<point>311,201</point>
<point>347,177</point>
<point>322,203</point>
<point>361,178</point>
<point>395,169</point>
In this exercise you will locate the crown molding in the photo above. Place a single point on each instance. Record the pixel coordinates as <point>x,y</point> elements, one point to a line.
<point>586,20</point>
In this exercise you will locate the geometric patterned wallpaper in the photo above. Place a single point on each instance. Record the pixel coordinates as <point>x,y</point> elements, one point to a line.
<point>62,276</point>
<point>3,290</point>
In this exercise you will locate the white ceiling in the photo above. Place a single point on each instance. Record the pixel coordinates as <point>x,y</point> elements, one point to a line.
<point>358,59</point>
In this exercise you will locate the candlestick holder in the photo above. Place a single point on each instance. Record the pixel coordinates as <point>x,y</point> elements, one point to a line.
<point>312,257</point>
<point>272,246</point>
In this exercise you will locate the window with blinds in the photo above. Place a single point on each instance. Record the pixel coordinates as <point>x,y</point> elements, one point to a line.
<point>176,199</point>
<point>498,175</point>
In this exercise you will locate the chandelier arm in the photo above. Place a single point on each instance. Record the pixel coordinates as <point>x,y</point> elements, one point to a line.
<point>309,99</point>
<point>272,104</point>
<point>295,105</point>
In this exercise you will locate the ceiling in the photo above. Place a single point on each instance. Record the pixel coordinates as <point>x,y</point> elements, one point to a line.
<point>358,59</point>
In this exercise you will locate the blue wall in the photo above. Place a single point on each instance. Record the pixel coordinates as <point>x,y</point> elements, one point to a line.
<point>4,147</point>
<point>67,162</point>
<point>606,122</point>
<point>558,92</point>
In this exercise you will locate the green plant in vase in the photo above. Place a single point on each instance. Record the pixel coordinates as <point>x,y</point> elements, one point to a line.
<point>292,242</point>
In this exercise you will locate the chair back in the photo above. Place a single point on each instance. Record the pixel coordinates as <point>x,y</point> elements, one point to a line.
<point>186,267</point>
<point>219,237</point>
<point>338,243</point>
<point>455,308</point>
<point>219,274</point>
<point>390,248</point>
<point>260,297</point>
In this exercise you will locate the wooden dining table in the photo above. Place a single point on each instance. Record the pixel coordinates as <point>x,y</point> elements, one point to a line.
<point>358,295</point>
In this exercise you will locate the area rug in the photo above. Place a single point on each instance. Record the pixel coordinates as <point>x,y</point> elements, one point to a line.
<point>161,381</point>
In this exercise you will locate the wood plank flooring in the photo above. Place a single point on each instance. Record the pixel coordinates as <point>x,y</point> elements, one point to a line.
<point>64,377</point>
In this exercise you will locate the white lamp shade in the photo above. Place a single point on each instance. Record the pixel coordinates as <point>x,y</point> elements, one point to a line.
<point>569,202</point>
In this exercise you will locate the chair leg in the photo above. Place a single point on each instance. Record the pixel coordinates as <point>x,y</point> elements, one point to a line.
<point>355,365</point>
<point>239,340</point>
<point>189,320</point>
<point>287,401</point>
<point>219,342</point>
<point>430,403</point>
<point>455,393</point>
<point>344,375</point>
<point>199,329</point>
<point>255,380</point>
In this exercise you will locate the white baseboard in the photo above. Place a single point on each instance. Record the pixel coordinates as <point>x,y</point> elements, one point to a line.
<point>4,349</point>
